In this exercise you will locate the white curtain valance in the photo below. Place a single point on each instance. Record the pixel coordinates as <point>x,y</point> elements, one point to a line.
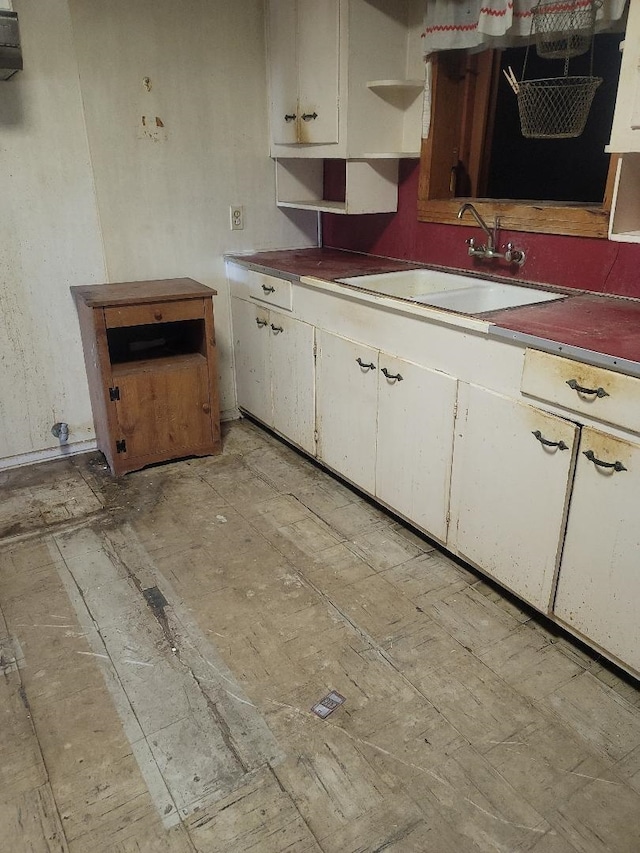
<point>480,24</point>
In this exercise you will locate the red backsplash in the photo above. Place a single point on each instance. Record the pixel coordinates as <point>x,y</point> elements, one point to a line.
<point>586,263</point>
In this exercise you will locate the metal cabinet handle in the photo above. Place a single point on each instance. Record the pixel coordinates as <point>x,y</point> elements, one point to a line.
<point>261,323</point>
<point>559,444</point>
<point>599,392</point>
<point>615,466</point>
<point>364,365</point>
<point>290,117</point>
<point>309,116</point>
<point>268,288</point>
<point>276,329</point>
<point>391,375</point>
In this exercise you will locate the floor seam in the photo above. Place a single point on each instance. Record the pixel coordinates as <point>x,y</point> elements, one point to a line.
<point>114,673</point>
<point>32,723</point>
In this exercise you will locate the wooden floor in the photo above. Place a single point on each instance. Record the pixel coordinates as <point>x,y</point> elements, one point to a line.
<point>163,638</point>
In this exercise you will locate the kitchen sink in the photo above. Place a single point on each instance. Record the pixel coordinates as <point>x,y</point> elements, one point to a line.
<point>460,293</point>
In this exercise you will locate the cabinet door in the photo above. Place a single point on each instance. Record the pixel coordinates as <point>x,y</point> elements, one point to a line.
<point>599,580</point>
<point>416,408</point>
<point>625,133</point>
<point>251,352</point>
<point>164,406</point>
<point>510,490</point>
<point>283,70</point>
<point>347,403</point>
<point>293,379</point>
<point>318,46</point>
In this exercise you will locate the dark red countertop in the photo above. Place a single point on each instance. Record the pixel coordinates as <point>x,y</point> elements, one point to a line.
<point>603,324</point>
<point>606,325</point>
<point>329,264</point>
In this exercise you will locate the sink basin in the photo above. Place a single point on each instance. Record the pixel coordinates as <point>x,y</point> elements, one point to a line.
<point>408,284</point>
<point>455,292</point>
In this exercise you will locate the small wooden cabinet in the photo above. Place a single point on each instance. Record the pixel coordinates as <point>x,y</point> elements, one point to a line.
<point>150,355</point>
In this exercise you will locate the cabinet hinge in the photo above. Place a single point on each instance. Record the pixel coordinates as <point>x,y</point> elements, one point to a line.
<point>315,435</point>
<point>315,351</point>
<point>114,393</point>
<point>121,446</point>
<point>455,409</point>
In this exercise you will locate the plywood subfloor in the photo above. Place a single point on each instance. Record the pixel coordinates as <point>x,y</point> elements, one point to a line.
<point>163,637</point>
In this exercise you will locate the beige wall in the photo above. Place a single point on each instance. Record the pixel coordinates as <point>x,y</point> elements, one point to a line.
<point>89,193</point>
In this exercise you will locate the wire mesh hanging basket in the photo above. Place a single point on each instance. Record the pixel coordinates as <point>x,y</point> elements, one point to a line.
<point>555,107</point>
<point>564,28</point>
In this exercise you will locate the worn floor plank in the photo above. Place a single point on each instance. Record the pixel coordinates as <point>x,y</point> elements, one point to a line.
<point>186,727</point>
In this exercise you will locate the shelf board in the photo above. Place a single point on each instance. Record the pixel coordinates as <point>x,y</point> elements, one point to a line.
<point>164,362</point>
<point>321,205</point>
<point>414,85</point>
<point>391,155</point>
<point>625,236</point>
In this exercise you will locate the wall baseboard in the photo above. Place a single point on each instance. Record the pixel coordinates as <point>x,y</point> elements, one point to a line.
<point>230,415</point>
<point>47,455</point>
<point>72,449</point>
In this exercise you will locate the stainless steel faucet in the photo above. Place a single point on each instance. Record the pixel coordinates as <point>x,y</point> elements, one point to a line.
<point>511,254</point>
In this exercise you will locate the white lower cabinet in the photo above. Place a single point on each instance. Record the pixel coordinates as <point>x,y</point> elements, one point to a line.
<point>511,481</point>
<point>415,442</point>
<point>346,407</point>
<point>252,362</point>
<point>599,581</point>
<point>275,370</point>
<point>386,424</point>
<point>543,505</point>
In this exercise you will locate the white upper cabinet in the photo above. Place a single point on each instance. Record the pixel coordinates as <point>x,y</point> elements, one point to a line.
<point>624,222</point>
<point>625,133</point>
<point>346,78</point>
<point>303,53</point>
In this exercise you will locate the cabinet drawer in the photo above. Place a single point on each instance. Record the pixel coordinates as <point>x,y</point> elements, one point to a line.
<point>153,312</point>
<point>601,394</point>
<point>272,290</point>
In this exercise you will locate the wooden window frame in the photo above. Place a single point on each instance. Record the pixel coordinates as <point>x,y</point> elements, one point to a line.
<point>462,109</point>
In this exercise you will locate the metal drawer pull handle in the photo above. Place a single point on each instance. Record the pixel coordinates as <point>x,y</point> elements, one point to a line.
<point>599,392</point>
<point>261,323</point>
<point>290,117</point>
<point>559,444</point>
<point>268,288</point>
<point>364,365</point>
<point>309,116</point>
<point>276,329</point>
<point>391,375</point>
<point>616,466</point>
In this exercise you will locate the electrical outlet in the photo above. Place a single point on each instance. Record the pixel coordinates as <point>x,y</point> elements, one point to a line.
<point>236,212</point>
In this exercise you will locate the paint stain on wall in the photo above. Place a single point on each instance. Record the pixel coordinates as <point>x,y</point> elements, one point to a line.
<point>152,127</point>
